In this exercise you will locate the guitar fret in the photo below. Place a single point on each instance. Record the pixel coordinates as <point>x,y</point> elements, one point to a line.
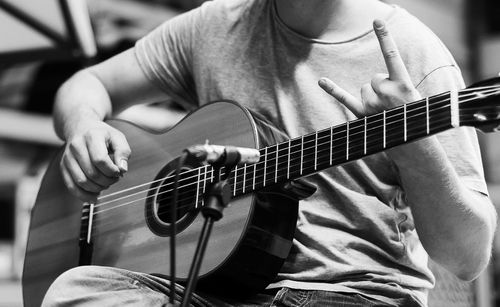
<point>205,179</point>
<point>395,127</point>
<point>276,165</point>
<point>197,188</point>
<point>427,114</point>
<point>204,184</point>
<point>91,218</point>
<point>454,108</point>
<point>364,143</point>
<point>374,131</point>
<point>316,151</point>
<point>288,162</point>
<point>384,133</point>
<point>301,154</point>
<point>265,166</point>
<point>254,172</point>
<point>235,177</point>
<point>244,176</point>
<point>331,145</point>
<point>356,138</point>
<point>404,123</point>
<point>347,142</point>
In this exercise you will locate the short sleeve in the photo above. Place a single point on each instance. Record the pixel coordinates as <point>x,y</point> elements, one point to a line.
<point>461,144</point>
<point>166,57</point>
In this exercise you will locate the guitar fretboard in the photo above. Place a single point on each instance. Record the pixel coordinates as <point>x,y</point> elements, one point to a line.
<point>340,144</point>
<point>302,156</point>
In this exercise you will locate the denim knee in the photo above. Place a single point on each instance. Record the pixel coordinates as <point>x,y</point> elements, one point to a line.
<point>78,280</point>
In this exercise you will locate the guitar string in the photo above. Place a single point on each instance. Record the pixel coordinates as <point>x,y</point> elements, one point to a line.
<point>104,218</point>
<point>104,214</point>
<point>192,172</point>
<point>198,189</point>
<point>273,146</point>
<point>495,113</point>
<point>157,180</point>
<point>359,151</point>
<point>169,191</point>
<point>473,90</point>
<point>355,149</point>
<point>198,171</point>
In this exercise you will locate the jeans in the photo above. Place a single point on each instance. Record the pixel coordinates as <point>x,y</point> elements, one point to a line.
<point>105,286</point>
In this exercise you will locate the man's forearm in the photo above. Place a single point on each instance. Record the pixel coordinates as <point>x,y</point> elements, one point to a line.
<point>82,98</point>
<point>454,223</point>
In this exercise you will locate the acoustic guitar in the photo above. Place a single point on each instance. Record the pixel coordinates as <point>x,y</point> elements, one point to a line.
<point>128,227</point>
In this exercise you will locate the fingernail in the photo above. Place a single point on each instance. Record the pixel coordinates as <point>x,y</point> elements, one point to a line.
<point>378,24</point>
<point>325,84</point>
<point>123,165</point>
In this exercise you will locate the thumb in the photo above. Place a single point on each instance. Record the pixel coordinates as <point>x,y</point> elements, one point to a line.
<point>121,150</point>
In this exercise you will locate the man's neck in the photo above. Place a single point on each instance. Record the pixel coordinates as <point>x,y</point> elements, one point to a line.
<point>334,20</point>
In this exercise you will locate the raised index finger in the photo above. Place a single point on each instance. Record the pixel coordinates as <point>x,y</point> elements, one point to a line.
<point>395,65</point>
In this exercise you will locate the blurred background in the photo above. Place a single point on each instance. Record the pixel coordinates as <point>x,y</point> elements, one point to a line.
<point>43,42</point>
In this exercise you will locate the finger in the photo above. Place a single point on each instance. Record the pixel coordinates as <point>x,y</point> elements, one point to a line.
<point>99,155</point>
<point>73,188</point>
<point>393,61</point>
<point>378,82</point>
<point>348,100</point>
<point>121,150</point>
<point>80,152</point>
<point>368,95</point>
<point>372,102</point>
<point>78,176</point>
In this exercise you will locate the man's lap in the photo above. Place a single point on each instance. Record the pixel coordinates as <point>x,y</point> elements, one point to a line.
<point>107,286</point>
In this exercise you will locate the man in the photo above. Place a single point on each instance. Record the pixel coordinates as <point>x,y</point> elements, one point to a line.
<point>360,238</point>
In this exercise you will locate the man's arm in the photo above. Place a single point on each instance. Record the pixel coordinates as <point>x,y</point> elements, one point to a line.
<point>81,105</point>
<point>455,224</point>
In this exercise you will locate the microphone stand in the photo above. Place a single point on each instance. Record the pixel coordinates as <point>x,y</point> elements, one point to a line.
<point>216,199</point>
<point>173,229</point>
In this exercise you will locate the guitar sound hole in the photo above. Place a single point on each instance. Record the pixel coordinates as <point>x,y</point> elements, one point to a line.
<point>160,199</point>
<point>185,200</point>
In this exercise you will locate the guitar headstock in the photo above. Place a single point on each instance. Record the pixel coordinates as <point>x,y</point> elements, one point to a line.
<point>479,105</point>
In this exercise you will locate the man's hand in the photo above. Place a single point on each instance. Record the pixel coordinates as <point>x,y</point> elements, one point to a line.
<point>454,223</point>
<point>385,90</point>
<point>95,156</point>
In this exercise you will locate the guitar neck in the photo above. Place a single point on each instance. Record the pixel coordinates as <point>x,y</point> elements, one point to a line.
<point>340,144</point>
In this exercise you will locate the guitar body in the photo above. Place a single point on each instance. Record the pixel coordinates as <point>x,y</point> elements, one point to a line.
<point>247,246</point>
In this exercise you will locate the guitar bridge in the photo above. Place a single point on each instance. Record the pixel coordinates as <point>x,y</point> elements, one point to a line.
<point>85,243</point>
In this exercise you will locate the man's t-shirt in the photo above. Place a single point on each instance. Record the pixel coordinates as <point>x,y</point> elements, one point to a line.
<point>356,233</point>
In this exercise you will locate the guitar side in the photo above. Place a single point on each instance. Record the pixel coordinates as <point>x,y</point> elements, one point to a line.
<point>247,246</point>
<point>53,236</point>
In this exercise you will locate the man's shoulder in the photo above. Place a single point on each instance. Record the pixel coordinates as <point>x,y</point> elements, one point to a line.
<point>421,49</point>
<point>409,30</point>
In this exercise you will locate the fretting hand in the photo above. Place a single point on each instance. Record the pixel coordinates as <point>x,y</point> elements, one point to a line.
<point>385,90</point>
